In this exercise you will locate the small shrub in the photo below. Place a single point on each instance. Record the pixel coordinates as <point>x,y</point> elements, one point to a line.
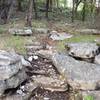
<point>88,97</point>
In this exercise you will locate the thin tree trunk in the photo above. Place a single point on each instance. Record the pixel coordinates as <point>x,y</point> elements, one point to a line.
<point>84,11</point>
<point>10,11</point>
<point>19,5</point>
<point>35,11</point>
<point>47,8</point>
<point>73,11</point>
<point>29,14</point>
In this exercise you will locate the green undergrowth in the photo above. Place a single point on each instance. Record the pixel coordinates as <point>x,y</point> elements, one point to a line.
<point>2,29</point>
<point>76,39</point>
<point>88,97</point>
<point>17,43</point>
<point>39,24</point>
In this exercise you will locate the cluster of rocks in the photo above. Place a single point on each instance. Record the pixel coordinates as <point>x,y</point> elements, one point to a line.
<point>80,67</point>
<point>54,35</point>
<point>12,73</point>
<point>19,78</point>
<point>27,31</point>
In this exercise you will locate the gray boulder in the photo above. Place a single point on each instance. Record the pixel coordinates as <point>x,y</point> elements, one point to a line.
<point>12,73</point>
<point>54,35</point>
<point>16,80</point>
<point>79,74</point>
<point>21,32</point>
<point>82,50</point>
<point>10,63</point>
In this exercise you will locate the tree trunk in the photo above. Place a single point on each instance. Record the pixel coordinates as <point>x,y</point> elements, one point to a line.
<point>84,11</point>
<point>19,5</point>
<point>35,11</point>
<point>73,11</point>
<point>6,10</point>
<point>29,14</point>
<point>47,8</point>
<point>10,11</point>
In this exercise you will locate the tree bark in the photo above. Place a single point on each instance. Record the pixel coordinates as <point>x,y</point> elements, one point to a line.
<point>6,10</point>
<point>35,11</point>
<point>30,13</point>
<point>73,11</point>
<point>84,11</point>
<point>47,8</point>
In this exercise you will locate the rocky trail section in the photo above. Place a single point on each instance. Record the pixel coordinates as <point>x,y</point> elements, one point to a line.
<point>51,75</point>
<point>43,81</point>
<point>80,71</point>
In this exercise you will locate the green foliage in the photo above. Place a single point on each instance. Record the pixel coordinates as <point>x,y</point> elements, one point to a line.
<point>14,42</point>
<point>2,30</point>
<point>88,97</point>
<point>38,24</point>
<point>79,38</point>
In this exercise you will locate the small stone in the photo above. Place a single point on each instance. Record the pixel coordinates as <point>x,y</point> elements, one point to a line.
<point>22,88</point>
<point>28,31</point>
<point>19,92</point>
<point>23,94</point>
<point>30,58</point>
<point>25,62</point>
<point>46,98</point>
<point>35,57</point>
<point>50,66</point>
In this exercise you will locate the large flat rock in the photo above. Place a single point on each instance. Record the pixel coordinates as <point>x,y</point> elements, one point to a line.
<point>10,64</point>
<point>54,35</point>
<point>21,32</point>
<point>79,74</point>
<point>12,73</point>
<point>49,83</point>
<point>82,50</point>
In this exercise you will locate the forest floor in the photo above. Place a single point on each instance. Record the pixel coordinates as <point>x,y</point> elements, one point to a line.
<point>8,41</point>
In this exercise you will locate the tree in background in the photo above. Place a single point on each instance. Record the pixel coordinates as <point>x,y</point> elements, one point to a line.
<point>30,13</point>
